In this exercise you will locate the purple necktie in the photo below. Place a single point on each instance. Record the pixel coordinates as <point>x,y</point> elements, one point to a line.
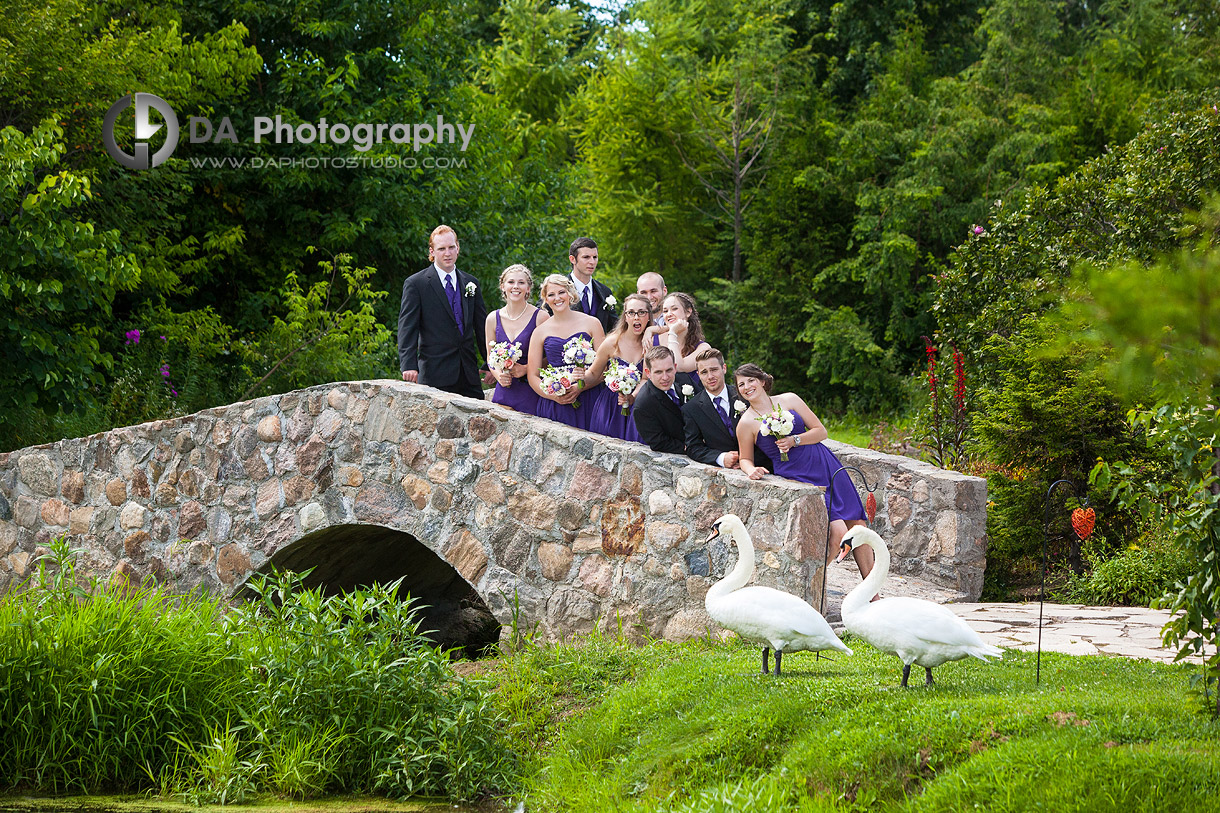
<point>454,303</point>
<point>724,416</point>
<point>584,301</point>
<point>673,395</point>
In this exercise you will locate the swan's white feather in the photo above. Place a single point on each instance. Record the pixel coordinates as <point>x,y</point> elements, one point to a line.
<point>917,631</point>
<point>771,617</point>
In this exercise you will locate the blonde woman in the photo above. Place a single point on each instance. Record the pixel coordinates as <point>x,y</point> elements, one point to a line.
<point>514,324</point>
<point>571,405</point>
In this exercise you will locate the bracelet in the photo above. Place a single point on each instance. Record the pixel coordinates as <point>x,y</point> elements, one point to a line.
<point>797,442</point>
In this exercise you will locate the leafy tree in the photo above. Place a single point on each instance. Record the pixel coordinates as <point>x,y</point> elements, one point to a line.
<point>60,276</point>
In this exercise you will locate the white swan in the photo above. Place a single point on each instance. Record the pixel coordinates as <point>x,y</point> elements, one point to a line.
<point>776,619</point>
<point>915,630</point>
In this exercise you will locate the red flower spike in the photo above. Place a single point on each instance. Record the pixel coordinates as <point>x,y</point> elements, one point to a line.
<point>870,507</point>
<point>1083,520</point>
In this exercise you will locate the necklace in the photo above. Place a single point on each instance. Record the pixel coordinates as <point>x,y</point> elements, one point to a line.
<point>504,310</point>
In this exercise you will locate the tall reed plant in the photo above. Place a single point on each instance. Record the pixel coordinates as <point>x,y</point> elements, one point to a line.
<point>98,681</point>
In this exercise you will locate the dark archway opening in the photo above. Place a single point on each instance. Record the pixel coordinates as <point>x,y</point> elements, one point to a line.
<point>347,557</point>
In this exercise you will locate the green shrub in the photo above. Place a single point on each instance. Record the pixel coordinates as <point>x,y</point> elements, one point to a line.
<point>1049,418</point>
<point>347,694</point>
<point>1136,577</point>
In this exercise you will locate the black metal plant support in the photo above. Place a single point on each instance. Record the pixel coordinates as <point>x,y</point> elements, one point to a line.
<point>1046,533</point>
<point>830,496</point>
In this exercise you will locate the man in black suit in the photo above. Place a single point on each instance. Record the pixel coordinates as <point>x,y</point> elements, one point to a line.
<point>592,297</point>
<point>658,404</point>
<point>710,418</point>
<point>442,322</point>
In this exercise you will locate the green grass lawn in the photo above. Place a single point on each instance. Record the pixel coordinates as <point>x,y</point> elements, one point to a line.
<point>695,727</point>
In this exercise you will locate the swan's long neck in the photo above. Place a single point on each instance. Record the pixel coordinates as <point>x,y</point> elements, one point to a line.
<point>859,598</point>
<point>741,573</point>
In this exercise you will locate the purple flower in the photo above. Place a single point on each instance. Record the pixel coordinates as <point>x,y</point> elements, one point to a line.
<point>165,370</point>
<point>133,336</point>
<point>173,392</point>
<point>978,229</point>
<point>164,339</point>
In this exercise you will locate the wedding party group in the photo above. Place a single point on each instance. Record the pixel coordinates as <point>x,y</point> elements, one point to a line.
<point>646,374</point>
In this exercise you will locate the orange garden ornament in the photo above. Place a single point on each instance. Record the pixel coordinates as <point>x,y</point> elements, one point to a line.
<point>1083,520</point>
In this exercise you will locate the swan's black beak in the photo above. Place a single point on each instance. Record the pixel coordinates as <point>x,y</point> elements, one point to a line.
<point>844,549</point>
<point>715,533</point>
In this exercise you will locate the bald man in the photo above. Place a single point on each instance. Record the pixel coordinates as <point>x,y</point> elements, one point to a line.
<point>652,285</point>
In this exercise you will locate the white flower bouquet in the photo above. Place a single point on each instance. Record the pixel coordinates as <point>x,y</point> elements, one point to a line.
<point>578,351</point>
<point>778,424</point>
<point>622,378</point>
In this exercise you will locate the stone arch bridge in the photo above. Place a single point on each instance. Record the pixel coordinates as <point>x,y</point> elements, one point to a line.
<point>469,503</point>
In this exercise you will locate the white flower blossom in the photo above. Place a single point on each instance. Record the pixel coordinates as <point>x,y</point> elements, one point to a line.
<point>610,302</point>
<point>687,390</point>
<point>470,289</point>
<point>739,407</point>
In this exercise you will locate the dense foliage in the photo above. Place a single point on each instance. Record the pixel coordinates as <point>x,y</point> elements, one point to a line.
<point>795,164</point>
<point>114,687</point>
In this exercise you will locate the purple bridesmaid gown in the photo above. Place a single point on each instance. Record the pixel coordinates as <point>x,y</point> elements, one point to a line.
<point>552,349</point>
<point>520,396</point>
<point>607,416</point>
<point>815,464</point>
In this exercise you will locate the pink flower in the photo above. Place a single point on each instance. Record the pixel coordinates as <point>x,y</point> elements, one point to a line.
<point>133,336</point>
<point>978,229</point>
<point>165,370</point>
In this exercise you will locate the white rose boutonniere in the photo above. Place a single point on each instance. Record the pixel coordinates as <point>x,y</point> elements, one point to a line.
<point>687,391</point>
<point>470,289</point>
<point>739,407</point>
<point>611,303</point>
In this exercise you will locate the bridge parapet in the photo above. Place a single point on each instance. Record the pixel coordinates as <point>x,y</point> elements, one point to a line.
<point>561,527</point>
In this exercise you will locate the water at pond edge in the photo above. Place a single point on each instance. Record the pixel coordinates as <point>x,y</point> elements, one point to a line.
<point>153,804</point>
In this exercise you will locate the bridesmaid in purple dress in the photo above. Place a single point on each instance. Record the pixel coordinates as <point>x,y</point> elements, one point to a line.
<point>519,317</point>
<point>683,334</point>
<point>625,344</point>
<point>808,460</point>
<point>546,350</point>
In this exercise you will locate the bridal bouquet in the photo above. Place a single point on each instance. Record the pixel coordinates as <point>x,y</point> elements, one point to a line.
<point>503,355</point>
<point>622,378</point>
<point>777,424</point>
<point>557,380</point>
<point>578,351</point>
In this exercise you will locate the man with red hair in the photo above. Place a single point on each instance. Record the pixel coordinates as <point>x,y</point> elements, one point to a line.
<point>442,322</point>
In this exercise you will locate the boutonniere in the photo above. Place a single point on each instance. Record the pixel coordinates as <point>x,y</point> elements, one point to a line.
<point>738,408</point>
<point>687,392</point>
<point>610,303</point>
<point>471,288</point>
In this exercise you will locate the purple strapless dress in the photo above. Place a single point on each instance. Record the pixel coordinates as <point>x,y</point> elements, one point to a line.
<point>816,464</point>
<point>607,416</point>
<point>552,349</point>
<point>520,396</point>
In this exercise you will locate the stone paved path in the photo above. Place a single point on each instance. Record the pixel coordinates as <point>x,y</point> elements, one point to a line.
<point>1132,632</point>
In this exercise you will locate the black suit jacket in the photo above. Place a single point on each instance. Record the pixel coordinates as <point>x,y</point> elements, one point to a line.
<point>428,336</point>
<point>603,313</point>
<point>706,436</point>
<point>658,419</point>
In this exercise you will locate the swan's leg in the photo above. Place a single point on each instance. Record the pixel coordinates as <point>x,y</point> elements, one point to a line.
<point>766,664</point>
<point>906,674</point>
<point>778,654</point>
<point>928,669</point>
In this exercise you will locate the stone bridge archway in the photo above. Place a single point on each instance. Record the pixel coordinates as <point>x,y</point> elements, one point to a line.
<point>565,528</point>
